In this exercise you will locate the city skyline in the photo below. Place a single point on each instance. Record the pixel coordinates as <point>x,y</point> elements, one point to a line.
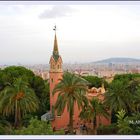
<point>86,33</point>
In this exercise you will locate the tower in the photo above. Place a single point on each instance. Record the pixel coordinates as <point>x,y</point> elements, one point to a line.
<point>55,74</point>
<point>58,121</point>
<point>56,71</point>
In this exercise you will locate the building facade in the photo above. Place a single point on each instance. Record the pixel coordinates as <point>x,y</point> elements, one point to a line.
<point>55,74</point>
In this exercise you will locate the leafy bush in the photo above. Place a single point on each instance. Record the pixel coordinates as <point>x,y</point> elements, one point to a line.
<point>5,127</point>
<point>123,123</point>
<point>107,130</point>
<point>38,127</point>
<point>134,122</point>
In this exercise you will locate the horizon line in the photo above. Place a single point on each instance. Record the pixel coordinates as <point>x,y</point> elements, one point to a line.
<point>68,62</point>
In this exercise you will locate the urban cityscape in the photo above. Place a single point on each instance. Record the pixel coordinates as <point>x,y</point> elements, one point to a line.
<point>106,69</point>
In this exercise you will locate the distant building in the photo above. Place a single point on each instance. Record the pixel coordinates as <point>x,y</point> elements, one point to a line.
<point>85,72</point>
<point>43,74</point>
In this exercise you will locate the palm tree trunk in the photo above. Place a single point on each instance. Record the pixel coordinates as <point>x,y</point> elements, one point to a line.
<point>71,122</point>
<point>16,114</point>
<point>99,120</point>
<point>94,126</point>
<point>19,117</point>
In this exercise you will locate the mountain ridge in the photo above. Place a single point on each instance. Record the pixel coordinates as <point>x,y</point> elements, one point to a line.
<point>119,60</point>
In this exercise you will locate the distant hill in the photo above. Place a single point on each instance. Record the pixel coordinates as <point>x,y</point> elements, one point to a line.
<point>119,60</point>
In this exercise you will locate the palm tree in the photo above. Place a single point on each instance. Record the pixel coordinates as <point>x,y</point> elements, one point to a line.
<point>71,90</point>
<point>94,109</point>
<point>118,97</point>
<point>18,99</point>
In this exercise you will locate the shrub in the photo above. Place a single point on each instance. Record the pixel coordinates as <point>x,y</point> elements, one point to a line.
<point>107,130</point>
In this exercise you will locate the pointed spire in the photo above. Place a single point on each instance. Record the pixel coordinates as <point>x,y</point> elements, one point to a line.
<point>55,49</point>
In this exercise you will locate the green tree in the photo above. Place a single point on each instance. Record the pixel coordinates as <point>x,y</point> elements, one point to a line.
<point>5,127</point>
<point>12,72</point>
<point>17,100</point>
<point>71,90</point>
<point>94,109</point>
<point>123,93</point>
<point>95,81</point>
<point>134,85</point>
<point>118,96</point>
<point>45,100</point>
<point>137,101</point>
<point>37,127</point>
<point>126,77</point>
<point>40,86</point>
<point>1,80</point>
<point>134,122</point>
<point>123,123</point>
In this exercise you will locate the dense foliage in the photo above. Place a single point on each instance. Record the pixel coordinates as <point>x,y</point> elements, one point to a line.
<point>95,81</point>
<point>124,92</point>
<point>123,123</point>
<point>37,127</point>
<point>36,83</point>
<point>22,96</point>
<point>107,130</point>
<point>18,99</point>
<point>5,127</point>
<point>92,110</point>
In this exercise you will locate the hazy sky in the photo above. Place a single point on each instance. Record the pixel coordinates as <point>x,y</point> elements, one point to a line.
<point>85,31</point>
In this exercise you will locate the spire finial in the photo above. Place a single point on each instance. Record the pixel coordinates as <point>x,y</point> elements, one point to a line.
<point>54,28</point>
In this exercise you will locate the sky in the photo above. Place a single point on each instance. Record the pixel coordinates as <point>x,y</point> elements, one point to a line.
<point>86,32</point>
